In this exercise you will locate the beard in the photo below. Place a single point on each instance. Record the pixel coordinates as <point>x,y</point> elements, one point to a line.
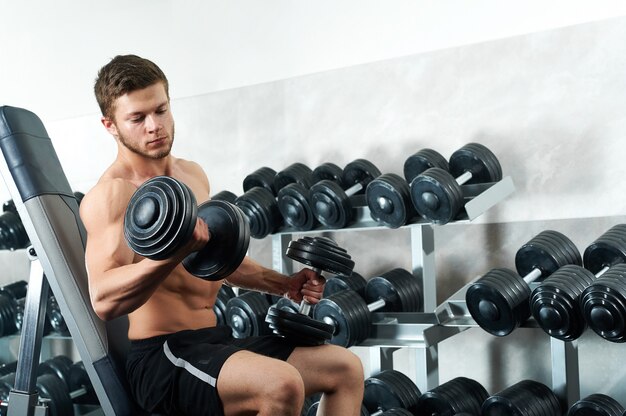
<point>160,154</point>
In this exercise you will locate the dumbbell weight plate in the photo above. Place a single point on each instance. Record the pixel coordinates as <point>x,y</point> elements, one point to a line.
<point>160,217</point>
<point>596,405</point>
<point>399,288</point>
<point>609,249</point>
<point>360,171</point>
<point>223,296</point>
<point>555,302</point>
<point>225,196</point>
<point>389,200</point>
<point>298,327</point>
<point>337,283</point>
<point>320,257</point>
<point>604,304</point>
<point>295,207</point>
<point>286,304</point>
<point>521,399</point>
<point>261,211</point>
<point>458,395</point>
<point>328,171</point>
<point>79,379</point>
<point>349,315</point>
<point>52,388</point>
<point>246,314</point>
<point>422,160</point>
<point>227,246</point>
<point>478,159</point>
<point>296,172</point>
<point>436,196</point>
<point>390,389</point>
<point>59,366</point>
<point>547,251</point>
<point>262,177</point>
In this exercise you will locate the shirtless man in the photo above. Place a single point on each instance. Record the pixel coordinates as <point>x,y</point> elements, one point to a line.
<point>180,361</point>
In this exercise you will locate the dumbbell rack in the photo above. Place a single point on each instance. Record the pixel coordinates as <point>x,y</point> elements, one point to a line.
<point>418,333</point>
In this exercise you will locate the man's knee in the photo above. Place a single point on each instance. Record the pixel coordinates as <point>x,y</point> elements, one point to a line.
<point>284,390</point>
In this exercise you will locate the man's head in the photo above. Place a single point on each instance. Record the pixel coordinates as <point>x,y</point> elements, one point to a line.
<point>124,74</point>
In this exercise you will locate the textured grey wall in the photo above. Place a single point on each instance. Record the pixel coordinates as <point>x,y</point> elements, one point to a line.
<point>551,105</point>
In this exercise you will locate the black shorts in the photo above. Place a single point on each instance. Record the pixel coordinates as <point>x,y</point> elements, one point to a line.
<point>176,374</point>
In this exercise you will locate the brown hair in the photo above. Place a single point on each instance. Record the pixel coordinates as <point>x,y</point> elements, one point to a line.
<point>124,74</point>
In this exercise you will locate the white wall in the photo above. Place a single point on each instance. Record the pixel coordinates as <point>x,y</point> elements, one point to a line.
<point>51,50</point>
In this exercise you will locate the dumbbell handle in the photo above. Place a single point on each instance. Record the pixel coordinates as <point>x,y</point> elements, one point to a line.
<point>77,393</point>
<point>464,177</point>
<point>354,188</point>
<point>305,307</point>
<point>533,275</point>
<point>604,270</point>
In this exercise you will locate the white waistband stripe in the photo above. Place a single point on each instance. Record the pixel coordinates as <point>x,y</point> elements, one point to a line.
<point>179,362</point>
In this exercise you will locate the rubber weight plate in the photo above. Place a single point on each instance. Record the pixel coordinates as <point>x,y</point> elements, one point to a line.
<point>225,196</point>
<point>261,211</point>
<point>245,314</point>
<point>318,254</point>
<point>398,287</point>
<point>223,296</point>
<point>555,302</point>
<point>262,177</point>
<point>337,283</point>
<point>328,171</point>
<point>298,327</point>
<point>348,314</point>
<point>160,218</point>
<point>225,250</point>
<point>359,171</point>
<point>596,405</point>
<point>390,389</point>
<point>389,200</point>
<point>294,204</point>
<point>436,196</point>
<point>296,172</point>
<point>478,159</point>
<point>422,160</point>
<point>330,204</point>
<point>608,250</point>
<point>547,251</point>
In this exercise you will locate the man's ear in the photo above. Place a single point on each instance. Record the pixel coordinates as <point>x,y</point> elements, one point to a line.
<point>109,125</point>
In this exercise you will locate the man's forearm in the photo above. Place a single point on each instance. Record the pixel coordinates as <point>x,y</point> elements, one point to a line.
<point>251,275</point>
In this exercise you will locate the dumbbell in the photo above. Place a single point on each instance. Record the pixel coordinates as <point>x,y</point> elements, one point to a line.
<point>160,219</point>
<point>437,194</point>
<point>332,205</point>
<point>596,405</point>
<point>12,232</point>
<point>11,312</point>
<point>390,389</point>
<point>456,396</point>
<point>259,203</point>
<point>224,196</point>
<point>527,397</point>
<point>245,314</point>
<point>263,177</point>
<point>337,283</point>
<point>54,318</point>
<point>389,196</point>
<point>223,296</point>
<point>555,303</point>
<point>499,300</point>
<point>603,302</point>
<point>350,315</point>
<point>322,254</point>
<point>294,200</point>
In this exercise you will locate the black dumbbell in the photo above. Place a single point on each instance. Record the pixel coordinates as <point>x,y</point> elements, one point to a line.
<point>80,386</point>
<point>294,200</point>
<point>332,205</point>
<point>161,217</point>
<point>555,303</point>
<point>437,194</point>
<point>12,307</point>
<point>263,177</point>
<point>499,301</point>
<point>596,405</point>
<point>322,254</point>
<point>527,397</point>
<point>12,232</point>
<point>54,318</point>
<point>223,296</point>
<point>389,196</point>
<point>458,395</point>
<point>259,203</point>
<point>337,283</point>
<point>390,389</point>
<point>224,196</point>
<point>603,302</point>
<point>245,314</point>
<point>350,315</point>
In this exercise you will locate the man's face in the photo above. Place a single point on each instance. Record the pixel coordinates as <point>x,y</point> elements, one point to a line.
<point>143,122</point>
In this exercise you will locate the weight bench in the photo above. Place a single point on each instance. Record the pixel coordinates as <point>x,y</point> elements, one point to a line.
<point>49,212</point>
